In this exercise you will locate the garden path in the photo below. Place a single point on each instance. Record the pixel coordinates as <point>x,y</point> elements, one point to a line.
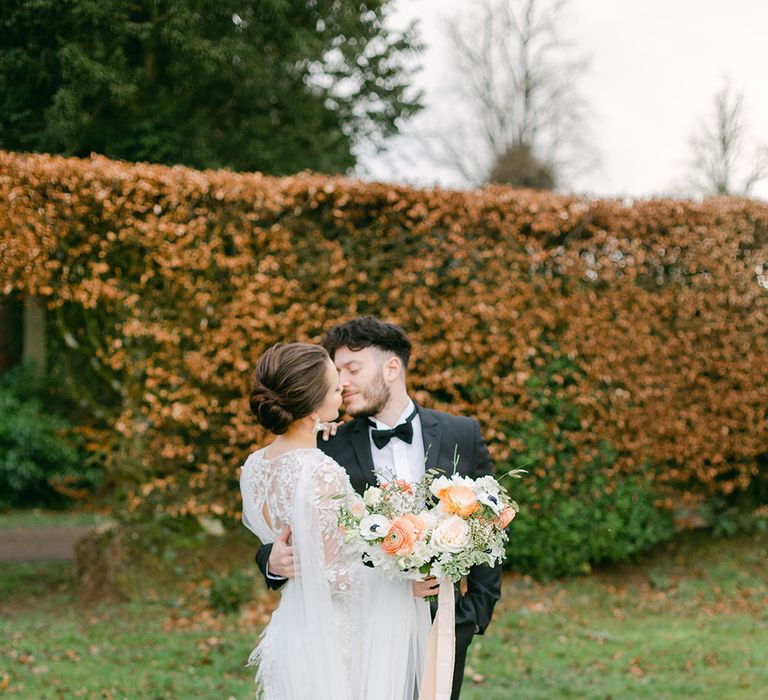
<point>41,543</point>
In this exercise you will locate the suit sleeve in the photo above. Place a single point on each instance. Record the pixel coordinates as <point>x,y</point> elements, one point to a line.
<point>483,582</point>
<point>262,561</point>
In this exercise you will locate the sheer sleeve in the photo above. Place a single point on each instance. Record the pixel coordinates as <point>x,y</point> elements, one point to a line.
<point>332,490</point>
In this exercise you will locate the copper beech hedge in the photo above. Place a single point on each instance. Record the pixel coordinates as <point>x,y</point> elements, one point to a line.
<point>170,282</point>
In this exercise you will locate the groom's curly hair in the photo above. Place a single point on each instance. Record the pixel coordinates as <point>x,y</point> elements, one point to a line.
<point>367,331</point>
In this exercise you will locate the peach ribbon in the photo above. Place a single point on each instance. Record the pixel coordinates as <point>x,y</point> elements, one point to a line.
<point>437,679</point>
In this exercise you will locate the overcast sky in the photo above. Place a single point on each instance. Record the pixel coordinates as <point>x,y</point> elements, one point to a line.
<point>655,68</point>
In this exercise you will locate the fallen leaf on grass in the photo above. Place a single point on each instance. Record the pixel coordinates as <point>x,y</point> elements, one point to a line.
<point>473,675</point>
<point>634,668</point>
<point>600,636</point>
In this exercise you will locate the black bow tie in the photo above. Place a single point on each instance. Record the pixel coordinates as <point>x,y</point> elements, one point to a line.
<point>404,432</point>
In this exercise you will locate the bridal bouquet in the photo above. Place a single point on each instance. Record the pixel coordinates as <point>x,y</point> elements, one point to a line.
<point>439,526</point>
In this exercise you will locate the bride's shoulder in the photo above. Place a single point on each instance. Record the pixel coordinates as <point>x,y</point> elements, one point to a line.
<point>314,457</point>
<point>328,469</point>
<point>253,467</point>
<point>252,458</point>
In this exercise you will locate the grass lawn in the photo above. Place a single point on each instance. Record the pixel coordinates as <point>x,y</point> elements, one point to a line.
<point>687,621</point>
<point>36,517</point>
<point>690,621</point>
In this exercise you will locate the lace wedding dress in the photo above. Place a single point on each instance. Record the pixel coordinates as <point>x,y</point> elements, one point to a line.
<point>341,631</point>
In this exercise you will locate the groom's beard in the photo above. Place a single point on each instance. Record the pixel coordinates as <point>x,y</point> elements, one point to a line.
<point>376,397</point>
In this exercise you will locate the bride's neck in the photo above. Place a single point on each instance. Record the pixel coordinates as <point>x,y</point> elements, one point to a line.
<point>297,436</point>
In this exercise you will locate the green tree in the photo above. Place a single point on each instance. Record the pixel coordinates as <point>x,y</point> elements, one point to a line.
<point>270,85</point>
<point>519,167</point>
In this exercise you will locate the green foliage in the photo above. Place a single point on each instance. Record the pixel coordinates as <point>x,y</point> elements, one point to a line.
<point>566,532</point>
<point>40,460</point>
<point>270,85</point>
<point>572,518</point>
<point>229,592</point>
<point>729,520</point>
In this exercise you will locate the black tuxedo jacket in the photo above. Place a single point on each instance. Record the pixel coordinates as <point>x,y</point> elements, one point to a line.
<point>443,435</point>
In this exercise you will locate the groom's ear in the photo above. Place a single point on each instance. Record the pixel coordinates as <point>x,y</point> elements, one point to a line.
<point>393,368</point>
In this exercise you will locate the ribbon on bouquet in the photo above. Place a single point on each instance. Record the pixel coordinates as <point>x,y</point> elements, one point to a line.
<point>437,679</point>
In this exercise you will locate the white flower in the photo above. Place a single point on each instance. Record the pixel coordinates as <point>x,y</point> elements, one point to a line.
<point>357,508</point>
<point>491,500</point>
<point>451,535</point>
<point>429,517</point>
<point>497,550</point>
<point>422,553</point>
<point>374,527</point>
<point>488,484</point>
<point>372,496</point>
<point>438,485</point>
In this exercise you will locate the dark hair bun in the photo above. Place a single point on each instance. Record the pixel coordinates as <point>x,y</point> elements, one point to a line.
<point>268,409</point>
<point>289,383</point>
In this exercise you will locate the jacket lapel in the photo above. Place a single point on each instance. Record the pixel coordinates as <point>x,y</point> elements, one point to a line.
<point>431,437</point>
<point>361,444</point>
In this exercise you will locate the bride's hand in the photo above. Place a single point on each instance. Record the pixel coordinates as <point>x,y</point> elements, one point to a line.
<point>428,587</point>
<point>330,428</point>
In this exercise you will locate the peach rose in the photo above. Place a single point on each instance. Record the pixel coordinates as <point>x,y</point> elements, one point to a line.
<point>451,535</point>
<point>401,537</point>
<point>505,517</point>
<point>357,509</point>
<point>459,499</point>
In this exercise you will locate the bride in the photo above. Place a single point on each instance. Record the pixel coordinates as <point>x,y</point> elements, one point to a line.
<point>341,630</point>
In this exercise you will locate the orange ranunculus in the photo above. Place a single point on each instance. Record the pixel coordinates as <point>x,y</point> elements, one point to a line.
<point>505,517</point>
<point>401,537</point>
<point>403,485</point>
<point>460,500</point>
<point>417,524</point>
<point>399,484</point>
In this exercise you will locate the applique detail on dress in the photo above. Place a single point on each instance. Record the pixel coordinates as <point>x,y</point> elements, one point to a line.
<point>273,484</point>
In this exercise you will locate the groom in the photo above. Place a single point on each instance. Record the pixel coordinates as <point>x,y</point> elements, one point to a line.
<point>393,436</point>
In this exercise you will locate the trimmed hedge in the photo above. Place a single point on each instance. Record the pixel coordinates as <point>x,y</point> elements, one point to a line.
<point>618,351</point>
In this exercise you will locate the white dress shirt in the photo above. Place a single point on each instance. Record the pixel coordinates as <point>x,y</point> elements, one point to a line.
<point>397,458</point>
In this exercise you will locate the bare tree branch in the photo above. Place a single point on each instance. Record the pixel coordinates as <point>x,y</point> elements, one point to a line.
<point>515,90</point>
<point>719,158</point>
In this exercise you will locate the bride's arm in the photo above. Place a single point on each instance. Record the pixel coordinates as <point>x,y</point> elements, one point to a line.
<point>332,491</point>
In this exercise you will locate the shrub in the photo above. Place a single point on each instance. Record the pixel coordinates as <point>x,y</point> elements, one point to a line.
<point>228,592</point>
<point>40,462</point>
<point>558,533</point>
<point>574,515</point>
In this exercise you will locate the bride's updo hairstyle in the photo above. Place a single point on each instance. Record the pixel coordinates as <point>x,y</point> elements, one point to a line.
<point>289,383</point>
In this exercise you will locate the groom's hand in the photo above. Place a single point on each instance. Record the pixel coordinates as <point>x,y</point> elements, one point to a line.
<point>281,559</point>
<point>329,429</point>
<point>429,586</point>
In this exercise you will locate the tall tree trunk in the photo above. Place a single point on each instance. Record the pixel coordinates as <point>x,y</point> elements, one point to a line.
<point>11,313</point>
